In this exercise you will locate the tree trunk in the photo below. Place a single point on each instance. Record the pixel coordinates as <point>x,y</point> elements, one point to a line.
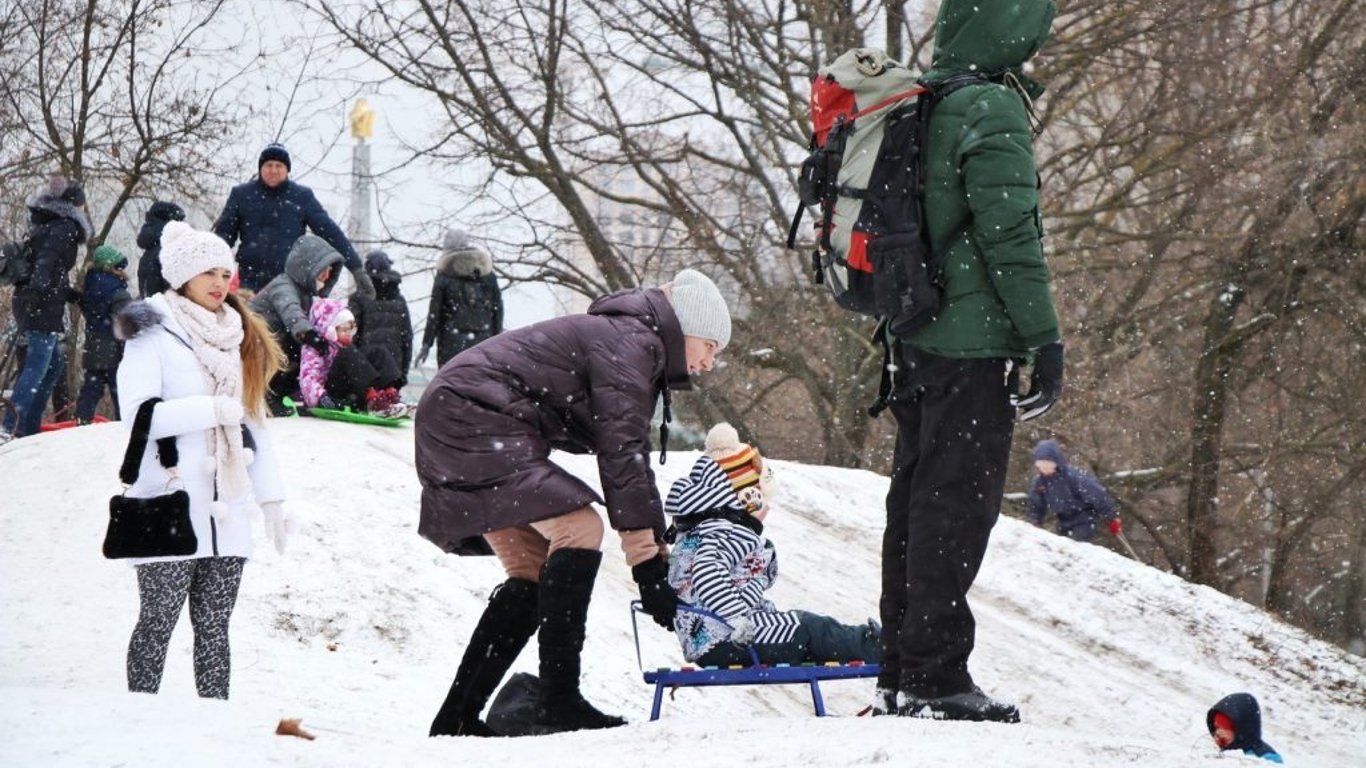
<point>1207,425</point>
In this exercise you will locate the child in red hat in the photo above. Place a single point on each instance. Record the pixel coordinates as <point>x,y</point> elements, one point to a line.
<point>1236,723</point>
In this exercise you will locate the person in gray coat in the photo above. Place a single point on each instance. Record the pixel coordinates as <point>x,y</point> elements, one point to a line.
<point>485,428</point>
<point>311,270</point>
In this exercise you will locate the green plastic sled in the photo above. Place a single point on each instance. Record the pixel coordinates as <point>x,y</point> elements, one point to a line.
<point>345,414</point>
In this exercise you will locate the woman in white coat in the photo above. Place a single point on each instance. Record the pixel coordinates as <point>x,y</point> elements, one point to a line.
<point>208,357</point>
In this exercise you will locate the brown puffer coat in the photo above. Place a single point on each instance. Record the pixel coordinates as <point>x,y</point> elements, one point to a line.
<point>584,384</point>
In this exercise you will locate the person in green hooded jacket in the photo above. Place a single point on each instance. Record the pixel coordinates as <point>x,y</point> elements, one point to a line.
<point>955,396</point>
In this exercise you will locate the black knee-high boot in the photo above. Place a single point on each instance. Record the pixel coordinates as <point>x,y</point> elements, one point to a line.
<point>566,588</point>
<point>508,622</point>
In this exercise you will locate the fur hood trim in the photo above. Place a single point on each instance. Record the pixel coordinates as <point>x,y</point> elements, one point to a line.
<point>136,317</point>
<point>469,262</point>
<point>49,203</point>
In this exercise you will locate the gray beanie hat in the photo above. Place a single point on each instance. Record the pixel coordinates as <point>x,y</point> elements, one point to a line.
<point>700,307</point>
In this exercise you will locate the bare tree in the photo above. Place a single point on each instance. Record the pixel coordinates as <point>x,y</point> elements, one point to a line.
<point>133,98</point>
<point>1204,227</point>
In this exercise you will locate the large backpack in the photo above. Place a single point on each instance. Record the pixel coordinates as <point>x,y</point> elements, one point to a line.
<point>16,262</point>
<point>864,178</point>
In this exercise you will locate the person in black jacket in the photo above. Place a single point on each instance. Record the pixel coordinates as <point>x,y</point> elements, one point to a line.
<point>269,213</point>
<point>466,305</point>
<point>58,227</point>
<point>150,281</point>
<point>384,322</point>
<point>104,293</point>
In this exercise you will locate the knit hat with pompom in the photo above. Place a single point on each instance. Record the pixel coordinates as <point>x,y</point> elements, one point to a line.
<point>743,464</point>
<point>187,252</point>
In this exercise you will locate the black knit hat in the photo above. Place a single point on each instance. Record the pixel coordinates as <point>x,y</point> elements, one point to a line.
<point>378,261</point>
<point>274,151</point>
<point>165,211</point>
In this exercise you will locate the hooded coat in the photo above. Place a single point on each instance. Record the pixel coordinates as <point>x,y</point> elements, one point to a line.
<point>106,292</point>
<point>1071,493</point>
<point>57,229</point>
<point>584,384</point>
<point>285,301</point>
<point>268,221</point>
<point>158,361</point>
<point>981,186</point>
<point>150,281</point>
<point>466,305</point>
<point>1246,714</point>
<point>385,321</point>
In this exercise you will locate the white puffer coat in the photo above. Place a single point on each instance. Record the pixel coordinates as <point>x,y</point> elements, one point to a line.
<point>159,362</point>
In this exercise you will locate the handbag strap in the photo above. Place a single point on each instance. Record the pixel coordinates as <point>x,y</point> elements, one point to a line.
<point>167,453</point>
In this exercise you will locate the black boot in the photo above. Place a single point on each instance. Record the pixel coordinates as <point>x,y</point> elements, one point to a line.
<point>508,622</point>
<point>566,588</point>
<point>973,705</point>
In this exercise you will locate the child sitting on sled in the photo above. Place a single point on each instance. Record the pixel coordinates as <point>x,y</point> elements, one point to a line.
<point>721,565</point>
<point>345,376</point>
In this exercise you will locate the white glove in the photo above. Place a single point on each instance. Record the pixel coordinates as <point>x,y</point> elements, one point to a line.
<point>228,411</point>
<point>278,525</point>
<point>741,631</point>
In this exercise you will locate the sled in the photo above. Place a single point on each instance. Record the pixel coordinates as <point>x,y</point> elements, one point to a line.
<point>755,674</point>
<point>340,414</point>
<point>53,426</point>
<point>354,417</point>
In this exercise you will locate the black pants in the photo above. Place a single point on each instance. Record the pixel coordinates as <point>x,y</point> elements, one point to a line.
<point>954,426</point>
<point>354,371</point>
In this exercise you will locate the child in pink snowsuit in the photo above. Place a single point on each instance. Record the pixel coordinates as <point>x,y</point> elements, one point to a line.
<point>343,375</point>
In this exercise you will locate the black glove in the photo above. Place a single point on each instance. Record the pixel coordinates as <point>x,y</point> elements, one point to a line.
<point>71,295</point>
<point>656,596</point>
<point>312,339</point>
<point>327,402</point>
<point>1045,383</point>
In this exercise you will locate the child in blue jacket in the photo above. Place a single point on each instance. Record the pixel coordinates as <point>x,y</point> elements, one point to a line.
<point>1071,493</point>
<point>1236,723</point>
<point>103,293</point>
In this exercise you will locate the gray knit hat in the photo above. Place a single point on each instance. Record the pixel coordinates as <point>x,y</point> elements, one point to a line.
<point>700,307</point>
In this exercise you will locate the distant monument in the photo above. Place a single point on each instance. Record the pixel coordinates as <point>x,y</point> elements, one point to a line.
<point>362,119</point>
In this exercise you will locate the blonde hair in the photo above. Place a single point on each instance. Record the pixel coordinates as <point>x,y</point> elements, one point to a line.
<point>262,356</point>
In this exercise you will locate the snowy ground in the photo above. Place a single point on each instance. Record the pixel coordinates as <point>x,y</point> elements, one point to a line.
<point>358,630</point>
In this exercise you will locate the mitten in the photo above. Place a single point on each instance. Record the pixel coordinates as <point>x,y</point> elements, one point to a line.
<point>312,339</point>
<point>278,526</point>
<point>422,355</point>
<point>228,411</point>
<point>365,287</point>
<point>741,631</point>
<point>1045,383</point>
<point>1116,527</point>
<point>656,595</point>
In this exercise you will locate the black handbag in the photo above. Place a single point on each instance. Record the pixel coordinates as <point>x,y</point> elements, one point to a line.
<point>158,526</point>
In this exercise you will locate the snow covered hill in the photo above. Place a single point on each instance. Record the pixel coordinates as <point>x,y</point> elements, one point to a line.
<point>359,627</point>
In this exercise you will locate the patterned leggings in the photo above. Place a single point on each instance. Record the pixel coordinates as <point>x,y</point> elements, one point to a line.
<point>211,585</point>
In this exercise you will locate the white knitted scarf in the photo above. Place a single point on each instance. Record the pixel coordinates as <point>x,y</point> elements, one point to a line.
<point>216,338</point>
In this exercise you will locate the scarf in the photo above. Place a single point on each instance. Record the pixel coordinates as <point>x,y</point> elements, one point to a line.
<point>216,338</point>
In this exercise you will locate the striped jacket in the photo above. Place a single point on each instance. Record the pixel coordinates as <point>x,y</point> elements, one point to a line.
<point>724,568</point>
